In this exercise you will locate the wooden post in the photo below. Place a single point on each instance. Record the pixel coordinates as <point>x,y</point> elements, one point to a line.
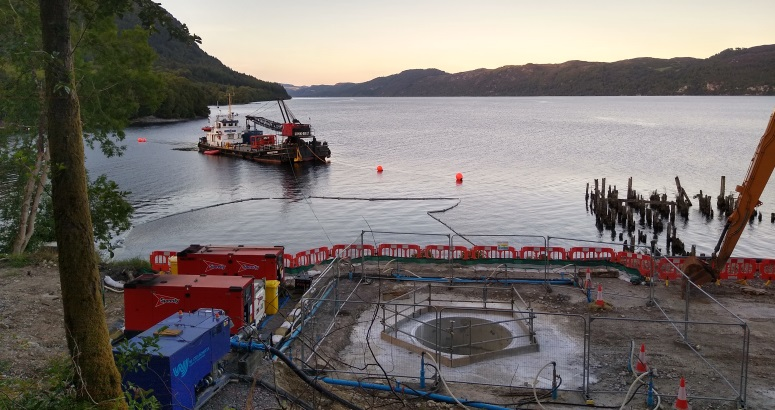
<point>602,188</point>
<point>682,192</point>
<point>597,192</point>
<point>630,194</point>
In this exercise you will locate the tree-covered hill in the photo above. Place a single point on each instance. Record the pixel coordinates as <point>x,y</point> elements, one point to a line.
<point>194,79</point>
<point>741,71</point>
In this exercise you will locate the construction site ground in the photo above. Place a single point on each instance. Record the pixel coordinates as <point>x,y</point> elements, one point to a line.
<point>32,335</point>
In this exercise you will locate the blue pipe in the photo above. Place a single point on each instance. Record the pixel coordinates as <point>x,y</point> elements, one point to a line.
<point>249,346</point>
<point>311,314</point>
<point>407,390</point>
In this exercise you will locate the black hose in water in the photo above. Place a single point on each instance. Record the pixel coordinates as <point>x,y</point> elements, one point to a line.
<point>328,393</point>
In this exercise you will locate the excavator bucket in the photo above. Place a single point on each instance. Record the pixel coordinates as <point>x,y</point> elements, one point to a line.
<point>698,271</point>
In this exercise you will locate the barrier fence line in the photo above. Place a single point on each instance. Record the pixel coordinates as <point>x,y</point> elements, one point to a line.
<point>665,268</point>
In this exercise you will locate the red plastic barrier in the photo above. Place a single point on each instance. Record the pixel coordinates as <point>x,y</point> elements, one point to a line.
<point>352,251</point>
<point>443,252</point>
<point>312,256</point>
<point>160,260</point>
<point>767,269</point>
<point>667,270</point>
<point>637,261</point>
<point>739,269</point>
<point>289,261</point>
<point>543,253</point>
<point>587,254</point>
<point>399,250</point>
<point>494,252</point>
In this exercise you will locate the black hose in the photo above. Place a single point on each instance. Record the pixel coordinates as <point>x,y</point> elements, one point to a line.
<point>328,393</point>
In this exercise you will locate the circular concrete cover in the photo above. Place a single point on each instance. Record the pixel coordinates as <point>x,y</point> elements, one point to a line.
<point>463,335</point>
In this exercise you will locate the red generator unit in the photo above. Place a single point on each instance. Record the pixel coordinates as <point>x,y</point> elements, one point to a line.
<point>259,262</point>
<point>150,298</point>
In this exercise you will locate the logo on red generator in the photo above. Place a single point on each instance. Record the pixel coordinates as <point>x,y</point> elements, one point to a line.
<point>165,300</point>
<point>213,266</point>
<point>243,266</point>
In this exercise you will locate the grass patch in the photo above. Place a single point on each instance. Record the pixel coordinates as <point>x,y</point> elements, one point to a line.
<point>28,258</point>
<point>52,390</point>
<point>134,263</point>
<point>15,261</point>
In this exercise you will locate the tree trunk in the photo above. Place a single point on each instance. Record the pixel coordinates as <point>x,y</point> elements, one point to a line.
<point>85,327</point>
<point>33,189</point>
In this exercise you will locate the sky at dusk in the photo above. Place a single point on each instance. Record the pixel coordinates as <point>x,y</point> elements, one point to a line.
<point>306,42</point>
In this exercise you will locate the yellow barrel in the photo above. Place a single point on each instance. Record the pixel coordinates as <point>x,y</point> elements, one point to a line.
<point>173,262</point>
<point>272,300</point>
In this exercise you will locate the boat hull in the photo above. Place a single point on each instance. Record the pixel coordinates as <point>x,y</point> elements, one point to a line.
<point>277,154</point>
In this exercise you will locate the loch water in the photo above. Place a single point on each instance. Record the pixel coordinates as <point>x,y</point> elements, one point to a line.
<point>525,163</point>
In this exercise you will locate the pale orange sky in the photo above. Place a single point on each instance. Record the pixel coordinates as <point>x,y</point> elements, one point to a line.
<point>307,42</point>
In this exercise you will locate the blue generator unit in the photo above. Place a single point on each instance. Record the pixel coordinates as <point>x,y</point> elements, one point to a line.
<point>186,369</point>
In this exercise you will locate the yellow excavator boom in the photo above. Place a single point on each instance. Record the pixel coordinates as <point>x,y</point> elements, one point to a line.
<point>759,172</point>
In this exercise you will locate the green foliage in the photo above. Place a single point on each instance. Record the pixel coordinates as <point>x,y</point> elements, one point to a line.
<point>132,356</point>
<point>117,82</point>
<point>111,213</point>
<point>54,389</point>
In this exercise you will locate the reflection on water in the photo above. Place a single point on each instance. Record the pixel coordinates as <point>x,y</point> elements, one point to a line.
<point>526,163</point>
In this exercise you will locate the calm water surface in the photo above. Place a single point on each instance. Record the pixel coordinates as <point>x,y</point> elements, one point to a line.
<point>526,163</point>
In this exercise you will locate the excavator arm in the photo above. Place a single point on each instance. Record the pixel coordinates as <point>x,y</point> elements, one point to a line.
<point>759,172</point>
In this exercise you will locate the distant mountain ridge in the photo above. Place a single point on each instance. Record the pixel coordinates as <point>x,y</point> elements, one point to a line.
<point>739,71</point>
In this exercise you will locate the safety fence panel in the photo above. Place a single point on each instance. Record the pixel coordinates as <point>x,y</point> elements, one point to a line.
<point>668,268</point>
<point>352,251</point>
<point>586,254</point>
<point>494,252</point>
<point>767,270</point>
<point>160,260</point>
<point>739,269</point>
<point>289,261</point>
<point>712,370</point>
<point>444,252</point>
<point>312,256</point>
<point>543,253</point>
<point>399,250</point>
<point>643,263</point>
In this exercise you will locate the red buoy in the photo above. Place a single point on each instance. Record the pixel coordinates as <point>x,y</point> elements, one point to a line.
<point>459,177</point>
<point>379,168</point>
<point>141,139</point>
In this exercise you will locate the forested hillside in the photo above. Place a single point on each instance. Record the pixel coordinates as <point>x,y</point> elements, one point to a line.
<point>192,79</point>
<point>749,71</point>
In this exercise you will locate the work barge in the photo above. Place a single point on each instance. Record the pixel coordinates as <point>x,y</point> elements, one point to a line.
<point>291,142</point>
<point>487,326</point>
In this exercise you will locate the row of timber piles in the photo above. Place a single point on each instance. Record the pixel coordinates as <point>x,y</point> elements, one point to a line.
<point>652,214</point>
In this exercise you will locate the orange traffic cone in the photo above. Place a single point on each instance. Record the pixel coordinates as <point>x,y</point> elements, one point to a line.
<point>588,280</point>
<point>680,401</point>
<point>641,366</point>
<point>599,300</point>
